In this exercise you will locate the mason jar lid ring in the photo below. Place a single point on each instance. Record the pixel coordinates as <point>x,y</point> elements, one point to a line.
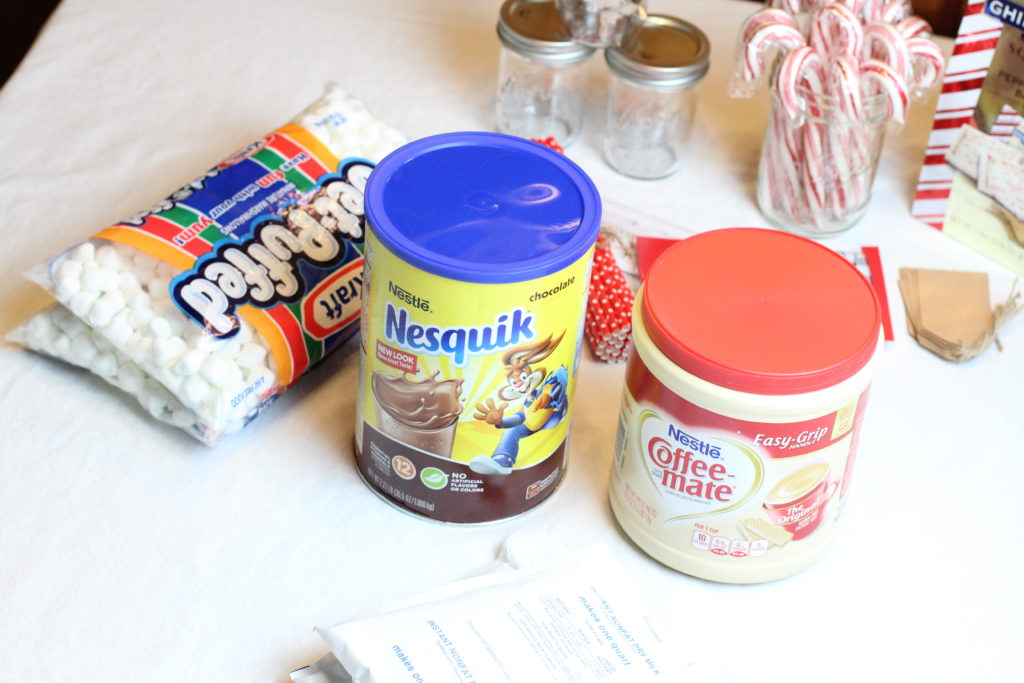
<point>534,29</point>
<point>662,51</point>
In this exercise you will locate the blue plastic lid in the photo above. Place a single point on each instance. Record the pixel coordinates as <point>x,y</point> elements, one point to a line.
<point>482,207</point>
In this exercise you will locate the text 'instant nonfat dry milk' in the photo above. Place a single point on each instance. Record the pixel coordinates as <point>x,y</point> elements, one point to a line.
<point>744,397</point>
<point>478,254</point>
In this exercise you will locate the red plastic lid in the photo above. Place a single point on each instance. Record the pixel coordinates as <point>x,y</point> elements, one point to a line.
<point>761,311</point>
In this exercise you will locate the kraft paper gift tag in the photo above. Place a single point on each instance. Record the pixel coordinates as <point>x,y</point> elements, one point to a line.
<point>949,312</point>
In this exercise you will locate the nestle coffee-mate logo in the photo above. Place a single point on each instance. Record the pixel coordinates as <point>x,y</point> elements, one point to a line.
<point>697,473</point>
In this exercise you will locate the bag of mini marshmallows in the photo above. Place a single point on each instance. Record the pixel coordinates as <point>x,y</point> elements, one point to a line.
<point>206,306</point>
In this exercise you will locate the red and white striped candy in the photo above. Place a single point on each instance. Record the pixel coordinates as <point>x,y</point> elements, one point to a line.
<point>884,42</point>
<point>872,10</point>
<point>836,31</point>
<point>844,84</point>
<point>895,11</point>
<point>878,77</point>
<point>927,62</point>
<point>802,68</point>
<point>762,18</point>
<point>767,30</point>
<point>913,27</point>
<point>792,6</point>
<point>855,6</point>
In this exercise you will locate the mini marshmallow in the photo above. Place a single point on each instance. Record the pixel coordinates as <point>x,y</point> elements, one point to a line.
<point>250,356</point>
<point>167,350</point>
<point>107,257</point>
<point>129,284</point>
<point>140,317</point>
<point>104,364</point>
<point>230,347</point>
<point>106,307</point>
<point>84,253</point>
<point>67,323</point>
<point>99,280</point>
<point>190,363</point>
<point>160,328</point>
<point>172,381</point>
<point>68,286</point>
<point>218,371</point>
<point>82,350</point>
<point>119,330</point>
<point>131,377</point>
<point>138,347</point>
<point>81,302</point>
<point>158,288</point>
<point>70,268</point>
<point>40,327</point>
<point>195,390</point>
<point>140,300</point>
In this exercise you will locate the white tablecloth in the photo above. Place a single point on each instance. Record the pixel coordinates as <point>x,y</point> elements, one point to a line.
<point>130,552</point>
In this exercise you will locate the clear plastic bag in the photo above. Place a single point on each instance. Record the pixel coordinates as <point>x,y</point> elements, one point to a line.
<point>228,290</point>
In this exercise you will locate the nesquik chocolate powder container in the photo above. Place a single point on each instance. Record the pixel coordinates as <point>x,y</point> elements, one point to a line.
<point>478,250</point>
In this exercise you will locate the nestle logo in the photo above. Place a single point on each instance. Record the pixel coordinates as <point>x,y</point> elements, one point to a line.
<point>690,441</point>
<point>408,297</point>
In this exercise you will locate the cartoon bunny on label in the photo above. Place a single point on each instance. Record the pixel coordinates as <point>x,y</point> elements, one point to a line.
<point>545,403</point>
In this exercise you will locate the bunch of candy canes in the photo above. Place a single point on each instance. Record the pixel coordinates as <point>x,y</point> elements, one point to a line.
<point>839,68</point>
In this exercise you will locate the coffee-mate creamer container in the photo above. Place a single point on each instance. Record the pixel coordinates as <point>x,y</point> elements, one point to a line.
<point>478,252</point>
<point>743,402</point>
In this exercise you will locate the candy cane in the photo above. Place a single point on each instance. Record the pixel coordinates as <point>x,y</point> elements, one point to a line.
<point>812,172</point>
<point>872,10</point>
<point>884,42</point>
<point>844,85</point>
<point>855,6</point>
<point>850,138</point>
<point>764,31</point>
<point>764,39</point>
<point>913,27</point>
<point>761,18</point>
<point>781,162</point>
<point>835,31</point>
<point>896,10</point>
<point>928,64</point>
<point>792,6</point>
<point>801,68</point>
<point>879,77</point>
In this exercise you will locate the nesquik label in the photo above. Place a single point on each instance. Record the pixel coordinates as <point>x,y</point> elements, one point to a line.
<point>467,388</point>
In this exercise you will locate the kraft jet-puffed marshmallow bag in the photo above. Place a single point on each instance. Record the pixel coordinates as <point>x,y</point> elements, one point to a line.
<point>206,306</point>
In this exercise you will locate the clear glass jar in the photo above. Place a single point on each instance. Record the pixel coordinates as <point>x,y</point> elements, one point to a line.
<point>597,22</point>
<point>652,95</point>
<point>541,89</point>
<point>817,168</point>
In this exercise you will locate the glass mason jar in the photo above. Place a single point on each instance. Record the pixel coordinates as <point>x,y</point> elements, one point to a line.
<point>541,89</point>
<point>817,167</point>
<point>652,96</point>
<point>597,22</point>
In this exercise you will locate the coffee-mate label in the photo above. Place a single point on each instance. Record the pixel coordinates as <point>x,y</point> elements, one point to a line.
<point>707,491</point>
<point>468,387</point>
<point>273,234</point>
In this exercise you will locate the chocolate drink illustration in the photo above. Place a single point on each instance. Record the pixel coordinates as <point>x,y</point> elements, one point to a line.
<point>422,414</point>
